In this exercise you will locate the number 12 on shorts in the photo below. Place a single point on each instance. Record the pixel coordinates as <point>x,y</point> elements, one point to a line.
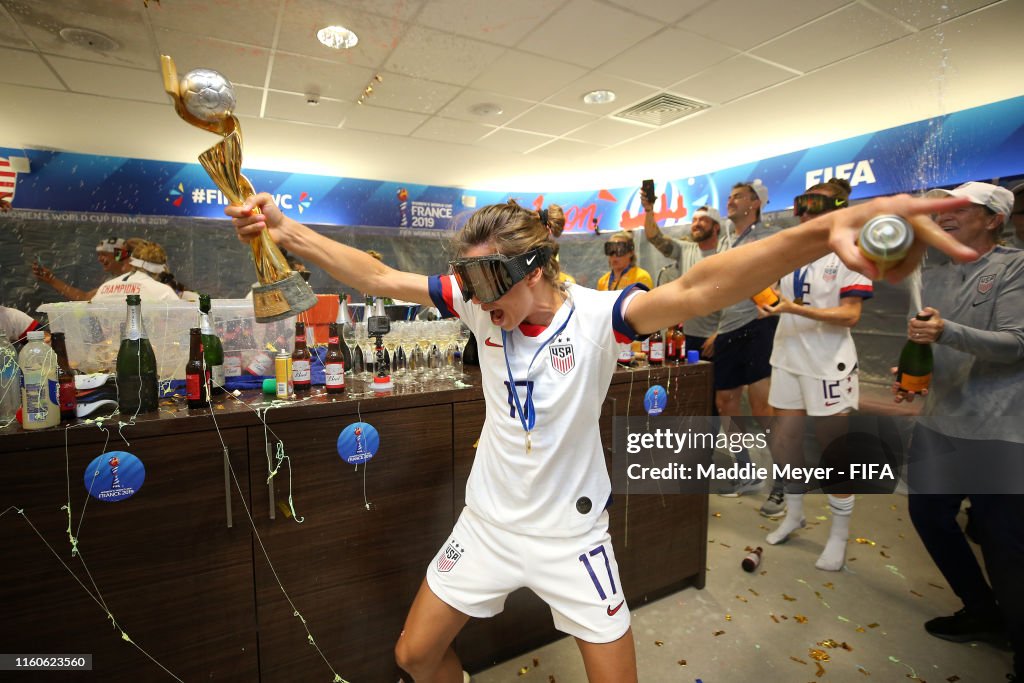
<point>599,550</point>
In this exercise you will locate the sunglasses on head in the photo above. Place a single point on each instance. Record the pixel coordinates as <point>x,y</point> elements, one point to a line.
<point>618,248</point>
<point>488,278</point>
<point>814,204</point>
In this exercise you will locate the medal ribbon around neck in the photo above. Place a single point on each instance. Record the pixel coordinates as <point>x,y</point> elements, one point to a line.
<point>528,422</point>
<point>799,277</point>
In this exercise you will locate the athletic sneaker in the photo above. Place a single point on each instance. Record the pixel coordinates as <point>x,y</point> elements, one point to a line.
<point>964,627</point>
<point>736,488</point>
<point>775,505</point>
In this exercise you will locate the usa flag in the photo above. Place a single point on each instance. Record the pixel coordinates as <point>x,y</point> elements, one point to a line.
<point>8,178</point>
<point>562,358</point>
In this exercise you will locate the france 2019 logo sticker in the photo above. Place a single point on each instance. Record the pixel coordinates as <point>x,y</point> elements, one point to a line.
<point>114,476</point>
<point>655,400</point>
<point>358,443</point>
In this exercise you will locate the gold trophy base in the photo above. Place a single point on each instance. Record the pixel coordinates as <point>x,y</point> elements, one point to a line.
<point>282,299</point>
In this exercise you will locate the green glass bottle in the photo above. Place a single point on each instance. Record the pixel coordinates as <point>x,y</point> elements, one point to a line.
<point>914,372</point>
<point>136,365</point>
<point>213,350</point>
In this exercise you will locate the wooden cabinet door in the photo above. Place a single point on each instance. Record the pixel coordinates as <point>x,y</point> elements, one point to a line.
<point>170,571</point>
<point>350,572</point>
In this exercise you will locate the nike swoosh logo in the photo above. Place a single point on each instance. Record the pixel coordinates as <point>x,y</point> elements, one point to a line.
<point>530,260</point>
<point>488,342</point>
<point>611,611</point>
<point>831,403</point>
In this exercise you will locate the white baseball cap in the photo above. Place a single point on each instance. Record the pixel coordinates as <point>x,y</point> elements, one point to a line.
<point>709,211</point>
<point>996,198</point>
<point>110,245</point>
<point>760,190</point>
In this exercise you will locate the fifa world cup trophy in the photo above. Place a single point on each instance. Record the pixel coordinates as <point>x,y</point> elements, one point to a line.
<point>206,99</point>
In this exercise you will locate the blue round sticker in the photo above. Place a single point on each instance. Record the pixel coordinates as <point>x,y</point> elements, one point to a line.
<point>114,476</point>
<point>655,400</point>
<point>358,443</point>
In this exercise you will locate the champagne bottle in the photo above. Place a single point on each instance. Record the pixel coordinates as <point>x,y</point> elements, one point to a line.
<point>136,365</point>
<point>334,362</point>
<point>656,354</point>
<point>213,350</point>
<point>301,377</point>
<point>66,392</point>
<point>39,408</point>
<point>196,375</point>
<point>914,372</point>
<point>347,330</point>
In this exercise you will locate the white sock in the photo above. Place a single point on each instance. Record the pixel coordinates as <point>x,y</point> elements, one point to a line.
<point>793,520</point>
<point>833,557</point>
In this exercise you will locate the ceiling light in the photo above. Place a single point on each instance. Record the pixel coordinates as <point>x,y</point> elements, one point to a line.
<point>338,37</point>
<point>487,109</point>
<point>599,97</point>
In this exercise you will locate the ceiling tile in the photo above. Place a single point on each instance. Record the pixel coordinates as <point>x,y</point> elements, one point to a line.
<point>744,24</point>
<point>550,120</point>
<point>669,11</point>
<point>248,101</point>
<point>27,68</point>
<point>586,32</point>
<point>498,21</point>
<point>532,77</point>
<point>121,10</point>
<point>425,53</point>
<point>924,13</point>
<point>566,149</point>
<point>609,132</point>
<point>252,23</point>
<point>626,93</point>
<point>844,33</point>
<point>450,130</point>
<point>302,19</point>
<point>667,57</point>
<point>10,34</point>
<point>513,141</point>
<point>98,79</point>
<point>331,79</point>
<point>380,120</point>
<point>461,106</point>
<point>240,64</point>
<point>731,79</point>
<point>412,94</point>
<point>42,26</point>
<point>290,107</point>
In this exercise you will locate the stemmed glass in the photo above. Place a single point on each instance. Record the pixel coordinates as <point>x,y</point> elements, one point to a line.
<point>462,335</point>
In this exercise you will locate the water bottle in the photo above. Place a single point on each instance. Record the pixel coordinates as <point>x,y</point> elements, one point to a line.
<point>39,406</point>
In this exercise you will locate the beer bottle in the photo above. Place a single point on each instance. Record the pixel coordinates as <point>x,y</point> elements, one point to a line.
<point>66,392</point>
<point>347,330</point>
<point>213,350</point>
<point>196,376</point>
<point>656,356</point>
<point>680,344</point>
<point>753,560</point>
<point>38,362</point>
<point>914,372</point>
<point>670,346</point>
<point>136,365</point>
<point>300,360</point>
<point>334,362</point>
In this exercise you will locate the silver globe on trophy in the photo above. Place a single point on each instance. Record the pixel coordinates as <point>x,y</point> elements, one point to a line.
<point>206,99</point>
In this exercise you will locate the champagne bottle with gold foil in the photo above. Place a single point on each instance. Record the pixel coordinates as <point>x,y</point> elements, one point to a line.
<point>136,365</point>
<point>914,372</point>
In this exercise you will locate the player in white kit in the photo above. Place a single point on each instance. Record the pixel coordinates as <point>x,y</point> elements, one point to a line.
<point>535,502</point>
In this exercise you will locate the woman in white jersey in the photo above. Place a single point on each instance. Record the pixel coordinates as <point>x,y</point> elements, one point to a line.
<point>535,501</point>
<point>814,367</point>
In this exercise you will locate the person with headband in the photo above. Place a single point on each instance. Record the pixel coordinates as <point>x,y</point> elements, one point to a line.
<point>537,496</point>
<point>814,371</point>
<point>623,270</point>
<point>148,262</point>
<point>112,254</point>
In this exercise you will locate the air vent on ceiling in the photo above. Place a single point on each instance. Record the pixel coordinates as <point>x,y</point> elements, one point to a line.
<point>661,109</point>
<point>89,39</point>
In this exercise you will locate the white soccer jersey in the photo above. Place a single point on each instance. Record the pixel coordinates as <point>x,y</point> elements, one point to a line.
<point>135,282</point>
<point>561,375</point>
<point>809,347</point>
<point>15,324</point>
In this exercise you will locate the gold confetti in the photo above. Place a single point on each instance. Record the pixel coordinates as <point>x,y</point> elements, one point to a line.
<point>829,585</point>
<point>893,508</point>
<point>788,598</point>
<point>523,671</point>
<point>953,679</point>
<point>821,670</point>
<point>913,592</point>
<point>741,598</point>
<point>821,518</point>
<point>681,662</point>
<point>819,655</point>
<point>764,527</point>
<point>863,670</point>
<point>935,585</point>
<point>724,545</point>
<point>659,643</point>
<point>784,616</point>
<point>828,642</point>
<point>536,662</point>
<point>728,617</point>
<point>860,629</point>
<point>716,514</point>
<point>775,619</point>
<point>551,679</point>
<point>865,541</point>
<point>883,553</point>
<point>756,594</point>
<point>798,660</point>
<point>718,633</point>
<point>800,619</point>
<point>873,625</point>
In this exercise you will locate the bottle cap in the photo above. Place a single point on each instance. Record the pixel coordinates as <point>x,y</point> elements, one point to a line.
<point>270,386</point>
<point>36,335</point>
<point>886,239</point>
<point>693,356</point>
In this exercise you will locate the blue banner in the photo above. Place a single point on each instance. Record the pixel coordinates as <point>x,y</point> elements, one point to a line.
<point>975,144</point>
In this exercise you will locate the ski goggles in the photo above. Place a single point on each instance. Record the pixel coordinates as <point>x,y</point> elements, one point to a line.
<point>488,278</point>
<point>618,248</point>
<point>815,204</point>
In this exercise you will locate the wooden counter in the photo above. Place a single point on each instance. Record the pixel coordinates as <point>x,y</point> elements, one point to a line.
<point>182,566</point>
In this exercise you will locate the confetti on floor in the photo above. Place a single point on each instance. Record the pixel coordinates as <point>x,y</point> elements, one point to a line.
<point>788,598</point>
<point>916,593</point>
<point>681,662</point>
<point>800,619</point>
<point>798,660</point>
<point>819,655</point>
<point>718,633</point>
<point>756,594</point>
<point>821,670</point>
<point>865,541</point>
<point>659,643</point>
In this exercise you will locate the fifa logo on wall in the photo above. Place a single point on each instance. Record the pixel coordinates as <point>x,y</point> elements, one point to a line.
<point>856,172</point>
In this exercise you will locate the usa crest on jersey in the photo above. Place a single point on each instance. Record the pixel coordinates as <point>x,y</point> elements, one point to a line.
<point>449,556</point>
<point>985,284</point>
<point>562,358</point>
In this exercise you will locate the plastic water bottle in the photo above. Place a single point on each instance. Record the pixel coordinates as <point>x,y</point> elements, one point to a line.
<point>39,406</point>
<point>10,382</point>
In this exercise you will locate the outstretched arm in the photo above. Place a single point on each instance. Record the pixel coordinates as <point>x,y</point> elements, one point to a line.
<point>349,266</point>
<point>736,274</point>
